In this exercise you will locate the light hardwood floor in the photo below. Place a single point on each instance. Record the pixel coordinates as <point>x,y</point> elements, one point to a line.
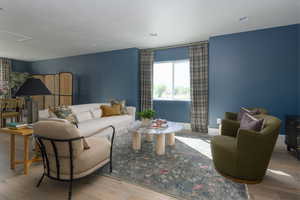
<point>283,182</point>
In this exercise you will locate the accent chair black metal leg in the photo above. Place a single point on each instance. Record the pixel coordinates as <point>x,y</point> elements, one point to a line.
<point>110,166</point>
<point>70,190</point>
<point>40,181</point>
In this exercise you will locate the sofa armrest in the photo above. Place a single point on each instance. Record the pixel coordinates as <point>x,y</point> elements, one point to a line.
<point>231,115</point>
<point>229,127</point>
<point>131,111</point>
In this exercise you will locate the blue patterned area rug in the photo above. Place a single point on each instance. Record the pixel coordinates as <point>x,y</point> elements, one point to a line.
<point>186,170</point>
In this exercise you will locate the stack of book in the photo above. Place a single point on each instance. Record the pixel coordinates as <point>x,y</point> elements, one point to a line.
<point>16,125</point>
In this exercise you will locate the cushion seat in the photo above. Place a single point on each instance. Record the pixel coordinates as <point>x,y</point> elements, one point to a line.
<point>90,126</point>
<point>94,157</point>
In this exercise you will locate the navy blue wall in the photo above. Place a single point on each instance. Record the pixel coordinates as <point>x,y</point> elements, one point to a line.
<point>20,66</point>
<point>257,68</point>
<point>172,110</point>
<point>99,77</point>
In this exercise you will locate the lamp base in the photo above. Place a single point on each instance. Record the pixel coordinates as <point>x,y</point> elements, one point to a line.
<point>32,111</point>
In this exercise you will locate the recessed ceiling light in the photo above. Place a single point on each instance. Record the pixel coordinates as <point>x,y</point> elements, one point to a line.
<point>242,19</point>
<point>153,34</point>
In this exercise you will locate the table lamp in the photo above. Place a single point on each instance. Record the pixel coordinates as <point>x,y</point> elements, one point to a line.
<point>32,87</point>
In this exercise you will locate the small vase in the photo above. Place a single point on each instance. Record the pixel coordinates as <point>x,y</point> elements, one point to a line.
<point>146,122</point>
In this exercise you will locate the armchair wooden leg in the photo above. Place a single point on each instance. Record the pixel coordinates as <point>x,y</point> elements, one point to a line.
<point>40,181</point>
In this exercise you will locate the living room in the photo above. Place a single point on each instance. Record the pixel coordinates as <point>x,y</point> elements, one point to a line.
<point>128,99</point>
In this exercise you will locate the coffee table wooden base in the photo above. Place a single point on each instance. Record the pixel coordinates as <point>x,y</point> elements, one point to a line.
<point>136,141</point>
<point>160,141</point>
<point>149,137</point>
<point>160,144</point>
<point>171,139</point>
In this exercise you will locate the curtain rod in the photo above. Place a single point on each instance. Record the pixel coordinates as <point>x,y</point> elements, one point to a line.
<point>179,45</point>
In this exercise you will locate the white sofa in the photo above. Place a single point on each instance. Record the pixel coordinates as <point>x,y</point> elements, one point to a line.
<point>94,123</point>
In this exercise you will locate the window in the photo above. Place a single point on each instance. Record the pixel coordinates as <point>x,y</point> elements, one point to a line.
<point>171,80</point>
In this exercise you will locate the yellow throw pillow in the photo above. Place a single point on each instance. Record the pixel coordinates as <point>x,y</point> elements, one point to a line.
<point>111,110</point>
<point>122,103</point>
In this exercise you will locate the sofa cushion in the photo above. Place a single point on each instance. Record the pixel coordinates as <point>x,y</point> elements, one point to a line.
<point>96,113</point>
<point>86,107</point>
<point>83,116</point>
<point>119,122</point>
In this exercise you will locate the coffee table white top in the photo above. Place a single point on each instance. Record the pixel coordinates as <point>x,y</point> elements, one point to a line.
<point>172,128</point>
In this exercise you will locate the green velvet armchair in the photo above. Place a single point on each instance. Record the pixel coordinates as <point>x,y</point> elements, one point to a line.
<point>244,155</point>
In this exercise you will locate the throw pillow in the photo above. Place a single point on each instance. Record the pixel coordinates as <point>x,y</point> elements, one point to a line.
<point>51,112</point>
<point>122,103</point>
<point>249,122</point>
<point>110,110</point>
<point>96,113</point>
<point>83,116</point>
<point>245,110</point>
<point>64,112</point>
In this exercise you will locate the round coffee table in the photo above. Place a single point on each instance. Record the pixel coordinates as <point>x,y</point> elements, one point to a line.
<point>136,129</point>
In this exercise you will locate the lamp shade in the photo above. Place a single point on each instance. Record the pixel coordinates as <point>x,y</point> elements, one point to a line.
<point>32,87</point>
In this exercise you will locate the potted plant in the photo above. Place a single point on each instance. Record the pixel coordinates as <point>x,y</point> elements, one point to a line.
<point>146,116</point>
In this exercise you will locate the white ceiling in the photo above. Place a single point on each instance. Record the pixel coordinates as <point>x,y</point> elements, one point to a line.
<point>40,29</point>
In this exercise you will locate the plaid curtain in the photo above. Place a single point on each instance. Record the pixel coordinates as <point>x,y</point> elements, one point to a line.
<point>199,87</point>
<point>5,70</point>
<point>146,72</point>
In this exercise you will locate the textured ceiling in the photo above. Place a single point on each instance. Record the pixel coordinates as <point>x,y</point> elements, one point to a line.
<point>35,30</point>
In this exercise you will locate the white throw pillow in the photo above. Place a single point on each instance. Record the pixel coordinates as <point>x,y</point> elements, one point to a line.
<point>96,113</point>
<point>83,116</point>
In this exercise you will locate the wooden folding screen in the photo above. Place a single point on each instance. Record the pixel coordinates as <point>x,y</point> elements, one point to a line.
<point>61,87</point>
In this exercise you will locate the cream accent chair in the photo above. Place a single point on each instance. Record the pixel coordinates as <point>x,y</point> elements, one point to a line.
<point>67,155</point>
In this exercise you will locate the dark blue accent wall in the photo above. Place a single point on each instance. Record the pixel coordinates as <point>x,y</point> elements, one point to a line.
<point>257,68</point>
<point>178,111</point>
<point>99,77</point>
<point>20,66</point>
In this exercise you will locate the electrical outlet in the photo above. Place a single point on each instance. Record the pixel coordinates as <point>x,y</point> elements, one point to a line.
<point>219,121</point>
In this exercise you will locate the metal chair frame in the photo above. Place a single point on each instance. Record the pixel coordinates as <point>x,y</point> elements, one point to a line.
<point>46,162</point>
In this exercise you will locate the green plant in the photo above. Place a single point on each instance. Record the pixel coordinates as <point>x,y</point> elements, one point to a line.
<point>147,114</point>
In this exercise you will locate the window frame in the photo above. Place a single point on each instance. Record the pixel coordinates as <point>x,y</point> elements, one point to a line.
<point>173,81</point>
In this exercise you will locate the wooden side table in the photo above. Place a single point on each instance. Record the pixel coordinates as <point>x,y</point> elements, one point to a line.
<point>25,133</point>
